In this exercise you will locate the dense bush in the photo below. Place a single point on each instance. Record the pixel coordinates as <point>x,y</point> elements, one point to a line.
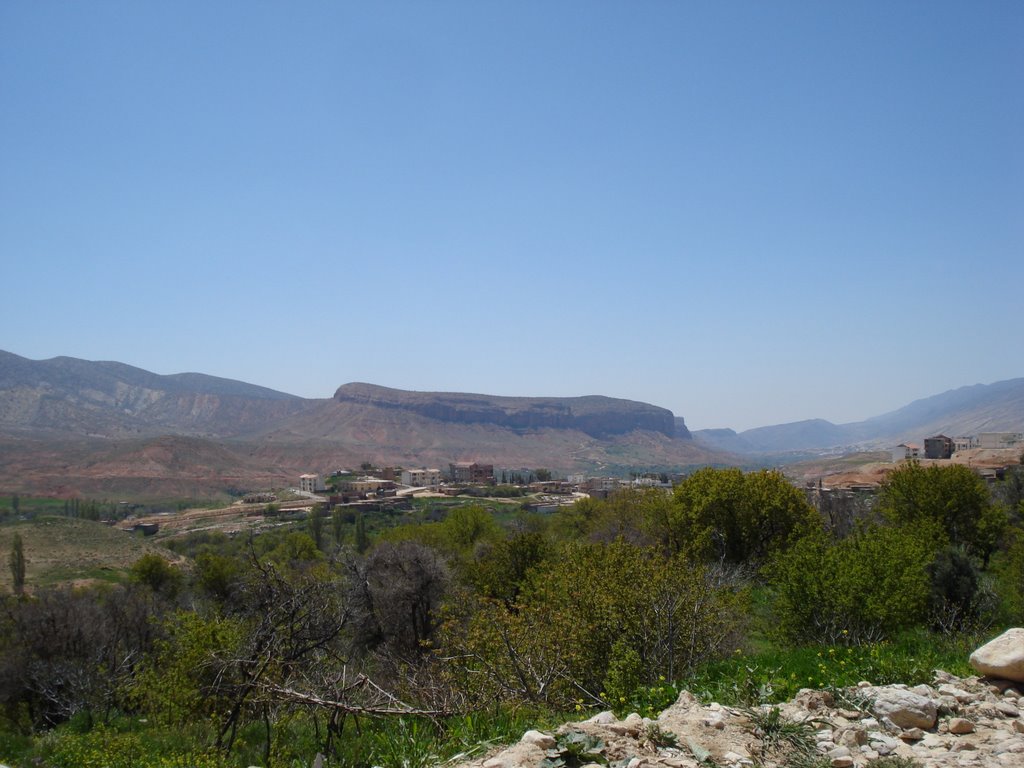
<point>591,617</point>
<point>867,586</point>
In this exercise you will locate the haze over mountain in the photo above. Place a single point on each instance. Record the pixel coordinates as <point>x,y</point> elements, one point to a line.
<point>72,425</point>
<point>969,410</point>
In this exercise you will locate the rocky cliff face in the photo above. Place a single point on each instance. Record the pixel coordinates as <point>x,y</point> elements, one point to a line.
<point>594,415</point>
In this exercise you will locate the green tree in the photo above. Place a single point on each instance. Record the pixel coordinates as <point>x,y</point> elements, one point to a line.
<point>157,574</point>
<point>337,524</point>
<point>217,575</point>
<point>1009,573</point>
<point>18,564</point>
<point>640,516</point>
<point>181,680</point>
<point>316,525</point>
<point>295,548</point>
<point>465,526</point>
<point>500,571</point>
<point>950,499</point>
<point>362,542</point>
<point>724,514</point>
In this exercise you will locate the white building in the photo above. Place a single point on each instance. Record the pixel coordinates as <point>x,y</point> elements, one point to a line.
<point>964,443</point>
<point>905,451</point>
<point>1000,439</point>
<point>421,478</point>
<point>311,484</point>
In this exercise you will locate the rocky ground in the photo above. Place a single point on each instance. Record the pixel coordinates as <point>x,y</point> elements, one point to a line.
<point>952,722</point>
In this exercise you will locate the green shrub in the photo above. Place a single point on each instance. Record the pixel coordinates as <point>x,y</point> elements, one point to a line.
<point>868,586</point>
<point>615,613</point>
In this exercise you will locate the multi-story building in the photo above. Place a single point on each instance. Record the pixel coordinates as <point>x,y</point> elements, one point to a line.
<point>1000,439</point>
<point>964,443</point>
<point>905,451</point>
<point>421,478</point>
<point>311,484</point>
<point>938,447</point>
<point>363,486</point>
<point>471,473</point>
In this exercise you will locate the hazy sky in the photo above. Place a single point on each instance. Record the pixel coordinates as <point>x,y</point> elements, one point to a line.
<point>747,212</point>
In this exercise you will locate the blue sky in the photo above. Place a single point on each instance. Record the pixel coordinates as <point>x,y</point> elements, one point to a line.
<point>747,212</point>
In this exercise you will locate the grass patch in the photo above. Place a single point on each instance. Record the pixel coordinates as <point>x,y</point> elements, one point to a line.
<point>407,742</point>
<point>777,675</point>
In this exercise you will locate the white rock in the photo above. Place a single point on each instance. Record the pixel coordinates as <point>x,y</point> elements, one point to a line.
<point>634,721</point>
<point>904,708</point>
<point>735,758</point>
<point>715,720</point>
<point>853,737</point>
<point>542,740</point>
<point>960,695</point>
<point>1008,709</point>
<point>884,745</point>
<point>1002,657</point>
<point>934,741</point>
<point>960,726</point>
<point>603,718</point>
<point>516,756</point>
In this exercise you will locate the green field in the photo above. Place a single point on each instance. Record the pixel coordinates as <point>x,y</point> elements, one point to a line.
<point>62,550</point>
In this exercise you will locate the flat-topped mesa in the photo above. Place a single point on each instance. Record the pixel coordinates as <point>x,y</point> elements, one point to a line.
<point>594,415</point>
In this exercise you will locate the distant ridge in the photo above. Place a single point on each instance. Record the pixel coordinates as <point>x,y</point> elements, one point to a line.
<point>81,397</point>
<point>593,415</point>
<point>969,410</point>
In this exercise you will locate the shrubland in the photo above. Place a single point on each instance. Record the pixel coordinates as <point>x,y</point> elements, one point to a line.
<point>406,643</point>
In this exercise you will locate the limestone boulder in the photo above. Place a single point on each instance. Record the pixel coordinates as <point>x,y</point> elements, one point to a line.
<point>1002,657</point>
<point>904,708</point>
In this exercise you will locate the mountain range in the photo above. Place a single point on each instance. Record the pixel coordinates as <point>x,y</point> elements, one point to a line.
<point>72,426</point>
<point>970,410</point>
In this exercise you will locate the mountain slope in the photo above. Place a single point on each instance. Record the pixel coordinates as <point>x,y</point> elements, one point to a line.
<point>997,407</point>
<point>70,396</point>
